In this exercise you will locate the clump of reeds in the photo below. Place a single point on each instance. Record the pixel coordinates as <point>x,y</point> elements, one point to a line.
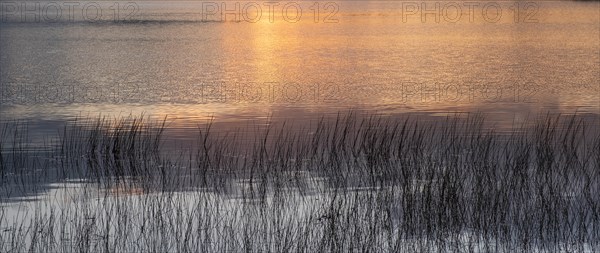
<point>348,183</point>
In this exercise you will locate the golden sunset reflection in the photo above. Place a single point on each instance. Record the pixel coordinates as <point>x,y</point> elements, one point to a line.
<point>374,56</point>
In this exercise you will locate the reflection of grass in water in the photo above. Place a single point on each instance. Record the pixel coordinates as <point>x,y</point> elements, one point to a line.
<point>346,184</point>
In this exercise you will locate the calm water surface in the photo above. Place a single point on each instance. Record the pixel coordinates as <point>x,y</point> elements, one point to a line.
<point>162,58</point>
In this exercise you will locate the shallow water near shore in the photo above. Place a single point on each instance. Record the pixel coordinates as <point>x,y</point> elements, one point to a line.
<point>347,182</point>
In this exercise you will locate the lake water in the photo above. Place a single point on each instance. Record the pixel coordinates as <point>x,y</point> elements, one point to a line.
<point>177,58</point>
<point>281,170</point>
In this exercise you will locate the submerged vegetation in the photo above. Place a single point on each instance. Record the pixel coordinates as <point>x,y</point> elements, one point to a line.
<point>346,183</point>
